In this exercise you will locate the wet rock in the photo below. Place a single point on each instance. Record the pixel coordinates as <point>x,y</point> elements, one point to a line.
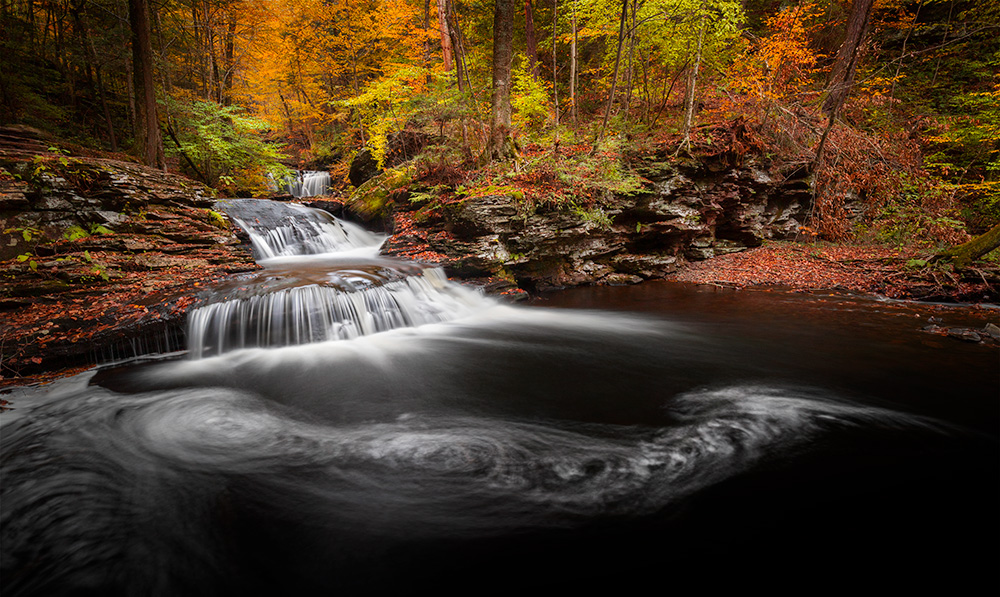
<point>965,334</point>
<point>691,209</point>
<point>617,279</point>
<point>364,167</point>
<point>159,260</point>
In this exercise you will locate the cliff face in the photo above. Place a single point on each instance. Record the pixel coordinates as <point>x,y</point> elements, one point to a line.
<point>98,255</point>
<point>686,211</point>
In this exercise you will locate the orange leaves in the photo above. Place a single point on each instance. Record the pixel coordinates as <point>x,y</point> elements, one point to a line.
<point>781,63</point>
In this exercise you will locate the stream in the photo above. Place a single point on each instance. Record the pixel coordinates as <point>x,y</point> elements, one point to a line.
<point>347,423</point>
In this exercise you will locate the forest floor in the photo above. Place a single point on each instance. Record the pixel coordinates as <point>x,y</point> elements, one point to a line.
<point>893,272</point>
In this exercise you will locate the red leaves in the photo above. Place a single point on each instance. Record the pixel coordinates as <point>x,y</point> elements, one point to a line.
<point>861,269</point>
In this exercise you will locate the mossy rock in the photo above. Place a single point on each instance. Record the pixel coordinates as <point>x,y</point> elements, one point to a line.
<point>372,199</point>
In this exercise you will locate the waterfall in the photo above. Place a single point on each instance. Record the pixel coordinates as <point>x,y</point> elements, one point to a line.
<point>304,183</point>
<point>285,229</point>
<point>322,280</point>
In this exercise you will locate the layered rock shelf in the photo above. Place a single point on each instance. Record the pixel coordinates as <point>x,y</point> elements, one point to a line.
<point>100,257</point>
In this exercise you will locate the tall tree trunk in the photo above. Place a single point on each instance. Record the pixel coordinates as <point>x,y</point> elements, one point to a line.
<point>531,42</point>
<point>457,47</point>
<point>501,145</point>
<point>214,66</point>
<point>426,27</point>
<point>88,42</point>
<point>147,129</point>
<point>692,85</point>
<point>461,73</point>
<point>446,49</point>
<point>572,67</point>
<point>164,63</point>
<point>631,52</point>
<point>555,70</point>
<point>842,75</point>
<point>614,80</point>
<point>230,65</point>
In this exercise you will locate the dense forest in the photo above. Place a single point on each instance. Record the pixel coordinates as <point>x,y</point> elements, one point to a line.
<point>894,102</point>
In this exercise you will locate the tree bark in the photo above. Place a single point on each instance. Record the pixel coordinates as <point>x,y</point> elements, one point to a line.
<point>692,84</point>
<point>446,49</point>
<point>457,47</point>
<point>572,67</point>
<point>147,126</point>
<point>426,25</point>
<point>842,75</point>
<point>964,254</point>
<point>555,79</point>
<point>501,145</point>
<point>230,65</point>
<point>614,81</point>
<point>531,42</point>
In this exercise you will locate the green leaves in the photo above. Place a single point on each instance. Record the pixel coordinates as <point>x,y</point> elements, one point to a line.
<point>530,99</point>
<point>31,262</point>
<point>225,144</point>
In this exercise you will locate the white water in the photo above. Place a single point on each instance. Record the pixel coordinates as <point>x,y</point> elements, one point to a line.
<point>305,183</point>
<point>302,231</point>
<point>322,281</point>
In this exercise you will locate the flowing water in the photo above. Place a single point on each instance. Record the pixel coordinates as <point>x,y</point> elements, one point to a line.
<point>345,423</point>
<point>304,183</point>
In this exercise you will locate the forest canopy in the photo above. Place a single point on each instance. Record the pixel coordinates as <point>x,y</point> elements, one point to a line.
<point>244,90</point>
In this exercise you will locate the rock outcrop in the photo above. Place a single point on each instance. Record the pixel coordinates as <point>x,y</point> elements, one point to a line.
<point>99,254</point>
<point>685,211</point>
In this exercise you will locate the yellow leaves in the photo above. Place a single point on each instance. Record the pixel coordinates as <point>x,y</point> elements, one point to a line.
<point>308,55</point>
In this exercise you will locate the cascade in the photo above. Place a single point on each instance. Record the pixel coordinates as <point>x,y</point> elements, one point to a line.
<point>321,281</point>
<point>285,229</point>
<point>304,183</point>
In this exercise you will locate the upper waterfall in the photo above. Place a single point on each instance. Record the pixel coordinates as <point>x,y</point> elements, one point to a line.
<point>304,183</point>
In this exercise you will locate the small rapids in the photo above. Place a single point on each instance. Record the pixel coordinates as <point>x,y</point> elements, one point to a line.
<point>284,229</point>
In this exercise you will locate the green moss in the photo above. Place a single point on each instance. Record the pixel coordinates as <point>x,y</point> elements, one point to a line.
<point>372,198</point>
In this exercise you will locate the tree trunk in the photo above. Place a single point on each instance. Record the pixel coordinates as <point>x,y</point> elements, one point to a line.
<point>692,84</point>
<point>147,126</point>
<point>457,48</point>
<point>841,79</point>
<point>92,58</point>
<point>446,49</point>
<point>614,80</point>
<point>963,255</point>
<point>842,75</point>
<point>501,145</point>
<point>555,80</point>
<point>426,25</point>
<point>230,65</point>
<point>631,51</point>
<point>572,67</point>
<point>531,42</point>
